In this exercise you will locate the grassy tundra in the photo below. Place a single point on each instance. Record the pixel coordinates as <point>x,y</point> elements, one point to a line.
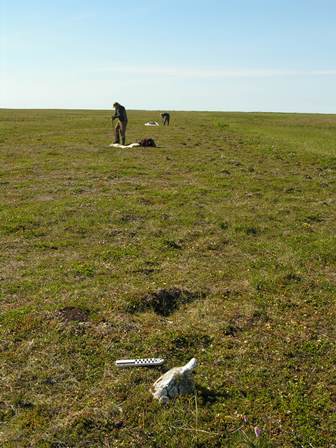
<point>219,244</point>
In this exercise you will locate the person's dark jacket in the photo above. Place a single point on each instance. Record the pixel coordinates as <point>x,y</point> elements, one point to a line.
<point>120,113</point>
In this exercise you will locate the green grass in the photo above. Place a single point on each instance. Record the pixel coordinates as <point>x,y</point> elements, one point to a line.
<point>235,210</point>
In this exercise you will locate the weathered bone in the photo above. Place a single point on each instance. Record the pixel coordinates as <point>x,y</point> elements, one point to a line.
<point>177,381</point>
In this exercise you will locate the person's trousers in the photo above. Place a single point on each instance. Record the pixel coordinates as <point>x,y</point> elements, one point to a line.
<point>120,131</point>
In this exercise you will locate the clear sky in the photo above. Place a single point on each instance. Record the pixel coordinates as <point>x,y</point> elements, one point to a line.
<point>249,55</point>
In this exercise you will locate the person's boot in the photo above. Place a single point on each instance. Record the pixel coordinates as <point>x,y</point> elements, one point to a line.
<point>123,141</point>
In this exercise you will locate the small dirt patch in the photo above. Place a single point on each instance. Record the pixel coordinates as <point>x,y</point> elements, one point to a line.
<point>73,313</point>
<point>251,231</point>
<point>164,301</point>
<point>190,341</point>
<point>145,271</point>
<point>170,244</point>
<point>231,330</point>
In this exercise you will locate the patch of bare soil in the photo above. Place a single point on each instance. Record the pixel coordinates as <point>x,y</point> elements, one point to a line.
<point>73,313</point>
<point>164,301</point>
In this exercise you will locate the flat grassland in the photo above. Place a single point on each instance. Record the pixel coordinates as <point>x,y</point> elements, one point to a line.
<point>218,244</point>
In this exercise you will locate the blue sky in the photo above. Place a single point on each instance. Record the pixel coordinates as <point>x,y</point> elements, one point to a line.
<point>249,55</point>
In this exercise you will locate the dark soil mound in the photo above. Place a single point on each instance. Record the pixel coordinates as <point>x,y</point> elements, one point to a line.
<point>164,301</point>
<point>72,313</point>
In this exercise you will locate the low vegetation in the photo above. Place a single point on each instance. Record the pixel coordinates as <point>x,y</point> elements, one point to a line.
<point>218,244</point>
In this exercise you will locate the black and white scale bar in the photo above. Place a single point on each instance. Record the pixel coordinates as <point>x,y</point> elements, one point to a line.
<point>144,362</point>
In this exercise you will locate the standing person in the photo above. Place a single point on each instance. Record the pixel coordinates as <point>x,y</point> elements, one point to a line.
<point>165,118</point>
<point>120,129</point>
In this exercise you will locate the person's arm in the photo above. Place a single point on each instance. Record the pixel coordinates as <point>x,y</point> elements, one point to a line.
<point>116,114</point>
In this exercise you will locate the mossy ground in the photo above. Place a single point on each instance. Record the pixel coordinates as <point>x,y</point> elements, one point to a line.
<point>235,210</point>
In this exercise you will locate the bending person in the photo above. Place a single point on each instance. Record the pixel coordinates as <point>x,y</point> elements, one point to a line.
<point>120,128</point>
<point>165,118</point>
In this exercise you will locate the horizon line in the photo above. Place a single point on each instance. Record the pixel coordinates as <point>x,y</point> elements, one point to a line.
<point>166,109</point>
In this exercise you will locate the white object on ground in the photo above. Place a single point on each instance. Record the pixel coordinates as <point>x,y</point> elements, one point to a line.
<point>142,362</point>
<point>119,145</point>
<point>152,123</point>
<point>177,381</point>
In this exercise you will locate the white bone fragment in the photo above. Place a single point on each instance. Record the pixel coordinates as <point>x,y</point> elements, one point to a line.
<point>177,381</point>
